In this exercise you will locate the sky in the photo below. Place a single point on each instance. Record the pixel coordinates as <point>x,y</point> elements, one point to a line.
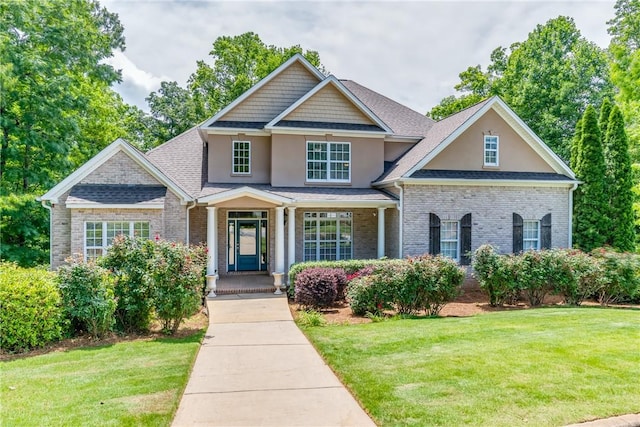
<point>410,51</point>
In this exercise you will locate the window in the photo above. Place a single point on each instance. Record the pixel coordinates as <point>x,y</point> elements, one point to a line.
<point>329,161</point>
<point>98,236</point>
<point>491,150</point>
<point>530,235</point>
<point>242,157</point>
<point>449,239</point>
<point>327,236</point>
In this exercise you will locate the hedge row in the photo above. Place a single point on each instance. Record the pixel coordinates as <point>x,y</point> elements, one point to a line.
<point>136,280</point>
<point>603,275</point>
<point>408,286</point>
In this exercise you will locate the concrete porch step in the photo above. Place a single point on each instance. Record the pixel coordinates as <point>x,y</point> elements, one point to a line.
<point>243,283</point>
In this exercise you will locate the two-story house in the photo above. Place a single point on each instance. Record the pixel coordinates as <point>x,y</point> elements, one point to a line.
<point>305,166</point>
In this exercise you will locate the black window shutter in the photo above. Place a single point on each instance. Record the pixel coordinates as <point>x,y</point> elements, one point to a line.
<point>517,233</point>
<point>434,234</point>
<point>465,240</point>
<point>545,232</point>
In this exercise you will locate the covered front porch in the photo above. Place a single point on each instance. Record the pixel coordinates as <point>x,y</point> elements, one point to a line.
<point>262,229</point>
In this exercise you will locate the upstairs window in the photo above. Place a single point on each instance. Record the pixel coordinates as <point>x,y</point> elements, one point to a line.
<point>241,157</point>
<point>491,143</point>
<point>328,161</point>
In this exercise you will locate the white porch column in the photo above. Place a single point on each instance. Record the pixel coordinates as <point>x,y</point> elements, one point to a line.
<point>212,241</point>
<point>279,239</point>
<point>381,241</point>
<point>291,256</point>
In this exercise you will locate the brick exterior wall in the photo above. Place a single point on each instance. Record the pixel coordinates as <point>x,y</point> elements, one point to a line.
<point>491,208</point>
<point>68,224</point>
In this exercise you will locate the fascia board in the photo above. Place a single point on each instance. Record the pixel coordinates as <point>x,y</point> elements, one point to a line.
<point>334,132</point>
<point>345,203</point>
<point>235,131</point>
<point>486,182</point>
<point>345,92</point>
<point>245,192</point>
<point>452,137</point>
<point>113,206</point>
<point>264,81</point>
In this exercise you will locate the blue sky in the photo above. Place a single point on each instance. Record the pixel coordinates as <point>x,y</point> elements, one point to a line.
<point>409,51</point>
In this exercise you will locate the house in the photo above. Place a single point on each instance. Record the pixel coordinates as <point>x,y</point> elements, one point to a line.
<point>305,166</point>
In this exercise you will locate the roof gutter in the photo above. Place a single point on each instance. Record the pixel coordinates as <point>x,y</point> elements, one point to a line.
<point>570,236</point>
<point>400,219</point>
<point>186,238</point>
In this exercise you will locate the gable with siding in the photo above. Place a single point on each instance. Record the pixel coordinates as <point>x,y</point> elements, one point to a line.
<point>275,96</point>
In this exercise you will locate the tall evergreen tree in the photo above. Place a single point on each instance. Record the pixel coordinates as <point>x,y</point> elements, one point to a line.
<point>591,220</point>
<point>575,147</point>
<point>619,183</point>
<point>603,121</point>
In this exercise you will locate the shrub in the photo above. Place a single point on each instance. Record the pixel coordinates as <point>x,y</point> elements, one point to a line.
<point>576,275</point>
<point>318,287</point>
<point>370,295</point>
<point>30,308</point>
<point>426,283</point>
<point>496,275</point>
<point>128,259</point>
<point>87,295</point>
<point>535,272</point>
<point>618,281</point>
<point>177,274</point>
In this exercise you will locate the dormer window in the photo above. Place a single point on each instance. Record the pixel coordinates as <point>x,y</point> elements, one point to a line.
<point>328,161</point>
<point>491,143</point>
<point>241,158</point>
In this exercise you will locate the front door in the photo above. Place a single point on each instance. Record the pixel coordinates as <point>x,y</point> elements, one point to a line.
<point>247,244</point>
<point>247,241</point>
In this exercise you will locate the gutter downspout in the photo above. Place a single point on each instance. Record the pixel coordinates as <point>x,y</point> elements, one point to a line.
<point>570,237</point>
<point>401,219</point>
<point>186,240</point>
<point>49,208</point>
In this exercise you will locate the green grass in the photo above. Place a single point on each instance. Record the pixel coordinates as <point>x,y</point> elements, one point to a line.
<point>540,367</point>
<point>126,384</point>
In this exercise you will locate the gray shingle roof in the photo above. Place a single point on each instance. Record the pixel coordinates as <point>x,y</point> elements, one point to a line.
<point>307,193</point>
<point>237,124</point>
<point>402,120</point>
<point>325,125</point>
<point>497,175</point>
<point>183,159</point>
<point>117,194</point>
<point>436,135</point>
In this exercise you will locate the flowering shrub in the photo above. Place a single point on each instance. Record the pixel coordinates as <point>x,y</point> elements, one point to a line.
<point>370,295</point>
<point>318,287</point>
<point>580,279</point>
<point>87,295</point>
<point>128,260</point>
<point>31,312</point>
<point>618,281</point>
<point>177,275</point>
<point>496,275</point>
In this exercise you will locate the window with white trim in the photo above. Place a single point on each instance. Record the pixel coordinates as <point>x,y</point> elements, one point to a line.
<point>491,143</point>
<point>99,235</point>
<point>328,161</point>
<point>327,236</point>
<point>530,235</point>
<point>241,157</point>
<point>449,238</point>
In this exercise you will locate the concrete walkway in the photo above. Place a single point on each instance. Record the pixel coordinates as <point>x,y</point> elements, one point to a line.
<point>255,368</point>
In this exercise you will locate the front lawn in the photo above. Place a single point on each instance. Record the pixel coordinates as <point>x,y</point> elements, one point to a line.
<point>551,366</point>
<point>124,384</point>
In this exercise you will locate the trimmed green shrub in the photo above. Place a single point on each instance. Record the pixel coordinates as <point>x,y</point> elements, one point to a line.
<point>128,259</point>
<point>577,279</point>
<point>618,281</point>
<point>496,275</point>
<point>534,271</point>
<point>31,312</point>
<point>370,294</point>
<point>88,298</point>
<point>177,274</point>
<point>318,287</point>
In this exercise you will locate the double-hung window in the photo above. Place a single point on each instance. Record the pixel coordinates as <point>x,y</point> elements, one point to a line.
<point>449,239</point>
<point>327,236</point>
<point>328,161</point>
<point>530,235</point>
<point>491,143</point>
<point>99,235</point>
<point>241,158</point>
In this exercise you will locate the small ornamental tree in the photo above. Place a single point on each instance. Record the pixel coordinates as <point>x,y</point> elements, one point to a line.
<point>591,202</point>
<point>619,183</point>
